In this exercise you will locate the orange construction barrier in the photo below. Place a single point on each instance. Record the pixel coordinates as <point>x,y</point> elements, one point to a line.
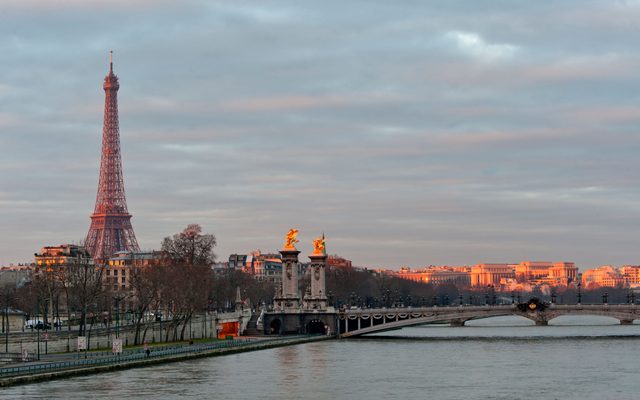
<point>228,329</point>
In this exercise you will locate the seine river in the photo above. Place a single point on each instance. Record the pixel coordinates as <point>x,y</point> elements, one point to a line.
<point>498,358</point>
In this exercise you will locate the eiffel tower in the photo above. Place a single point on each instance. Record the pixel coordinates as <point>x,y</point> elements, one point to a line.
<point>111,229</point>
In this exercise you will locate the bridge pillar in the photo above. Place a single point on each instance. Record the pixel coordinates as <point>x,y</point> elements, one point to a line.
<point>457,322</point>
<point>626,322</point>
<point>289,299</point>
<point>541,322</point>
<point>317,298</point>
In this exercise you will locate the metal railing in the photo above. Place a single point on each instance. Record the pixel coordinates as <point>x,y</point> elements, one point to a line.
<point>105,358</point>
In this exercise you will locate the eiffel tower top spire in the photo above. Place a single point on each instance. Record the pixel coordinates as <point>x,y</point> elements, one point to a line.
<point>111,229</point>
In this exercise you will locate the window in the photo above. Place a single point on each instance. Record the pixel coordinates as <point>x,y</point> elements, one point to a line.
<point>108,272</point>
<point>124,287</point>
<point>124,279</point>
<point>115,272</point>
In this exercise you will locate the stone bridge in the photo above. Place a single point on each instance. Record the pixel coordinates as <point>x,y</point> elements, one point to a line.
<point>355,322</point>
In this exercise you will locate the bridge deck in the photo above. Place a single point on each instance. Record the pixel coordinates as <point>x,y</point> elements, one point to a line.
<point>354,322</point>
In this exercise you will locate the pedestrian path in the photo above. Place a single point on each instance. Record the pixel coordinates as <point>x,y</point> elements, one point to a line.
<point>61,365</point>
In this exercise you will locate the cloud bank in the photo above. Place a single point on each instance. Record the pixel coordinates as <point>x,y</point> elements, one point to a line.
<point>411,134</point>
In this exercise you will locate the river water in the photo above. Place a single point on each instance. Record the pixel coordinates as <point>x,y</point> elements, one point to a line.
<point>497,358</point>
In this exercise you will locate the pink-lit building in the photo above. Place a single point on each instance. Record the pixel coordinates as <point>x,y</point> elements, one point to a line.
<point>491,274</point>
<point>336,261</point>
<point>525,274</point>
<point>438,275</point>
<point>544,272</point>
<point>605,275</point>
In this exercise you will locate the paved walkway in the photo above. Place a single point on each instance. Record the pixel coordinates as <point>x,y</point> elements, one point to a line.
<point>56,366</point>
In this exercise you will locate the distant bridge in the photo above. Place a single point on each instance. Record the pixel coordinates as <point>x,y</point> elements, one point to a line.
<point>356,322</point>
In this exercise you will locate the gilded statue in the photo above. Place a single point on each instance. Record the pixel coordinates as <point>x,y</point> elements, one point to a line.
<point>318,246</point>
<point>290,239</point>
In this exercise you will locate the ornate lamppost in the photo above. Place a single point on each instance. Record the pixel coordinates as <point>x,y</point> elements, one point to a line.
<point>579,293</point>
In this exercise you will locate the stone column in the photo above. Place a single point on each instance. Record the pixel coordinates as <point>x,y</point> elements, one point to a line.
<point>289,297</point>
<point>318,266</point>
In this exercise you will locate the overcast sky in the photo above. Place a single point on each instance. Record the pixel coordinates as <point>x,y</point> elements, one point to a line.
<point>410,132</point>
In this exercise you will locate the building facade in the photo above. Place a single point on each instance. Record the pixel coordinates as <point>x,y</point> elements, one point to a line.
<point>53,257</point>
<point>460,276</point>
<point>604,276</point>
<point>118,271</point>
<point>483,275</point>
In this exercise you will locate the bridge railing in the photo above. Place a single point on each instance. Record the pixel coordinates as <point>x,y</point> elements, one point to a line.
<point>623,306</point>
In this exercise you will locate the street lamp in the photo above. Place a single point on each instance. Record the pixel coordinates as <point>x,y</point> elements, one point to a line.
<point>118,299</point>
<point>6,316</point>
<point>579,294</point>
<point>37,328</point>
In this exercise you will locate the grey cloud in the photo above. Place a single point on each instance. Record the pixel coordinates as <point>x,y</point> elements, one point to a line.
<point>370,121</point>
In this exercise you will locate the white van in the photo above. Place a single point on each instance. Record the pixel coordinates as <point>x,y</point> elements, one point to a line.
<point>35,324</point>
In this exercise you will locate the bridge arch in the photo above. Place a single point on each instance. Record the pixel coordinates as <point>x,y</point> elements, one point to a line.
<point>568,319</point>
<point>364,321</point>
<point>275,327</point>
<point>316,326</point>
<point>501,320</point>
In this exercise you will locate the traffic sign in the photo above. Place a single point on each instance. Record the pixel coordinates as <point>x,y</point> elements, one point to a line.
<point>82,343</point>
<point>116,347</point>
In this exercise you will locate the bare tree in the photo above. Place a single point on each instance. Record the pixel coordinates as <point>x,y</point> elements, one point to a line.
<point>184,292</point>
<point>84,286</point>
<point>186,276</point>
<point>190,247</point>
<point>146,282</point>
<point>223,289</point>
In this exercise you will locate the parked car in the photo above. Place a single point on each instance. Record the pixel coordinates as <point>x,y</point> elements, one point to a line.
<point>37,324</point>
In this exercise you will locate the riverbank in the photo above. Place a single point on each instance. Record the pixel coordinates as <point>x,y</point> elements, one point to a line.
<point>56,370</point>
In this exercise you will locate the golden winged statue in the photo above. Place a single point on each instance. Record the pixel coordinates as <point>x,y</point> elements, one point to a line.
<point>290,240</point>
<point>318,246</point>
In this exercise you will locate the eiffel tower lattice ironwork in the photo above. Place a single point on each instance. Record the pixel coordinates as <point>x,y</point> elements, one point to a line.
<point>111,229</point>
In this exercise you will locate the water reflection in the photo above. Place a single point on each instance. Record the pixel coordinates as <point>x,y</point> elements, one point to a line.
<point>289,365</point>
<point>515,327</point>
<point>502,358</point>
<point>317,357</point>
